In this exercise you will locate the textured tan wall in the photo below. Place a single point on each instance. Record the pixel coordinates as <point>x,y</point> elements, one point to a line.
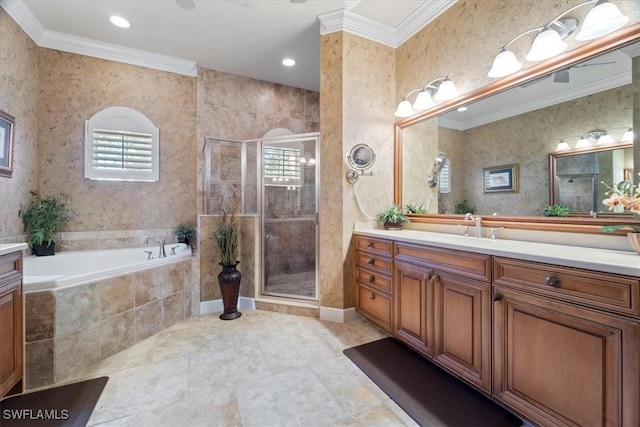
<point>18,97</point>
<point>357,86</point>
<point>75,87</point>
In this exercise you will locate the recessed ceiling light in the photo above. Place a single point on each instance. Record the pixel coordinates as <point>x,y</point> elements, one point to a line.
<point>461,109</point>
<point>119,21</point>
<point>288,62</point>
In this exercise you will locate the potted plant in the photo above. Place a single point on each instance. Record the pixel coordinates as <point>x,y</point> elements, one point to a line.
<point>226,237</point>
<point>43,219</point>
<point>392,218</point>
<point>556,210</point>
<point>183,232</point>
<point>415,208</point>
<point>463,207</point>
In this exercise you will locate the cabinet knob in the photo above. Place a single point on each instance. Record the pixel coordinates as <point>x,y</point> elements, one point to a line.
<point>496,297</point>
<point>434,278</point>
<point>372,279</point>
<point>428,275</point>
<point>372,296</point>
<point>553,281</point>
<point>371,261</point>
<point>370,244</point>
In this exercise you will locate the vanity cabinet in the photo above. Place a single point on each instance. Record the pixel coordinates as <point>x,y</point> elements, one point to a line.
<point>11,326</point>
<point>559,358</point>
<point>442,308</point>
<point>373,280</point>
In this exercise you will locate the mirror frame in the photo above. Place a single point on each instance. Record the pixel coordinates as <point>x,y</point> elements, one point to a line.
<point>587,225</point>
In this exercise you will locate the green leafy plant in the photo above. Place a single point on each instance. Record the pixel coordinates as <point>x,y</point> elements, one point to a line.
<point>556,210</point>
<point>226,237</point>
<point>45,217</point>
<point>393,215</point>
<point>183,231</point>
<point>463,207</point>
<point>415,208</point>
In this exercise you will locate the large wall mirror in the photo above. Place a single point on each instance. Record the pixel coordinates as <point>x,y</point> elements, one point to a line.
<point>521,120</point>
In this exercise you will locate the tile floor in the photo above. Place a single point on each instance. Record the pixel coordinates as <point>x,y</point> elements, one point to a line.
<point>263,369</point>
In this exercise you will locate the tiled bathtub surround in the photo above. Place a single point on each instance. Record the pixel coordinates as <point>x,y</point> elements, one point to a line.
<point>74,328</point>
<point>115,239</point>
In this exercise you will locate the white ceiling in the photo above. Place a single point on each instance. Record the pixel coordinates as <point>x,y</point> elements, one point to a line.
<point>243,37</point>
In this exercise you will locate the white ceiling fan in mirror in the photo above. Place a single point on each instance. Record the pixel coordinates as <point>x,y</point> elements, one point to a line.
<point>604,18</point>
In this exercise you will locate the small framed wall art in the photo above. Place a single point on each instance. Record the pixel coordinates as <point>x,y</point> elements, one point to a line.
<point>7,123</point>
<point>501,179</point>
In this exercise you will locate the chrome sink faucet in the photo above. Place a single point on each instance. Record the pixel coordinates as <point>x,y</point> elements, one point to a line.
<point>478,221</point>
<point>161,252</point>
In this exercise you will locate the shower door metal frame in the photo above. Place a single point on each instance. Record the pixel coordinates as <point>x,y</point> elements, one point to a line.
<point>284,139</point>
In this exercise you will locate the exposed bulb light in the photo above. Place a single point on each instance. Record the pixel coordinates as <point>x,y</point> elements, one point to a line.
<point>119,21</point>
<point>505,63</point>
<point>446,91</point>
<point>562,146</point>
<point>423,101</point>
<point>288,62</point>
<point>546,45</point>
<point>462,109</point>
<point>628,136</point>
<point>602,19</point>
<point>404,109</point>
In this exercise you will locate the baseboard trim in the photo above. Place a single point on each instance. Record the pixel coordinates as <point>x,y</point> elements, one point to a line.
<point>339,315</point>
<point>216,306</point>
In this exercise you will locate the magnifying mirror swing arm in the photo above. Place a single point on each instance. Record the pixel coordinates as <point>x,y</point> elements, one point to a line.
<point>358,166</point>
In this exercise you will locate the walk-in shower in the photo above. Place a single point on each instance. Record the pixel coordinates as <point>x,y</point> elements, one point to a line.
<point>276,179</point>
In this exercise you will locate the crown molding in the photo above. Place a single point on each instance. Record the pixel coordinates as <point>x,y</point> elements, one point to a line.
<point>21,14</point>
<point>578,92</point>
<point>112,52</point>
<point>343,20</point>
<point>420,18</point>
<point>83,46</point>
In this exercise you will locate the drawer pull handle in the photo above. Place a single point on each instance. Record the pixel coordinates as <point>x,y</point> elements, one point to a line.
<point>496,297</point>
<point>370,244</point>
<point>372,296</point>
<point>372,279</point>
<point>371,261</point>
<point>553,281</point>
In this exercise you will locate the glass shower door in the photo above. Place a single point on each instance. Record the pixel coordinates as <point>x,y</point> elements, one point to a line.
<point>289,216</point>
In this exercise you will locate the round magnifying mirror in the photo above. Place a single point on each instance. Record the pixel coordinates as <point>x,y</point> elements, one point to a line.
<point>361,157</point>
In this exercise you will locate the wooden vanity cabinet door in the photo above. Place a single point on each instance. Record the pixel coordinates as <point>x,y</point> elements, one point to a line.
<point>561,364</point>
<point>10,335</point>
<point>463,328</point>
<point>413,306</point>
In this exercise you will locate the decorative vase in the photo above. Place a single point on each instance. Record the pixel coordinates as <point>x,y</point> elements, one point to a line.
<point>183,239</point>
<point>634,240</point>
<point>44,249</point>
<point>393,226</point>
<point>229,281</point>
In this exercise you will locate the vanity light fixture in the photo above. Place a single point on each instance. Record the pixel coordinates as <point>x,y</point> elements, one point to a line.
<point>440,89</point>
<point>628,136</point>
<point>604,18</point>
<point>562,146</point>
<point>605,139</point>
<point>583,142</point>
<point>119,21</point>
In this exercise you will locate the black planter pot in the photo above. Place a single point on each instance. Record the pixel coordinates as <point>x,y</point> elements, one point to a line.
<point>229,281</point>
<point>44,249</point>
<point>184,240</point>
<point>393,226</point>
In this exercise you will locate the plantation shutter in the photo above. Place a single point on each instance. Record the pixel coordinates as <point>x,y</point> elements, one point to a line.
<point>122,150</point>
<point>282,166</point>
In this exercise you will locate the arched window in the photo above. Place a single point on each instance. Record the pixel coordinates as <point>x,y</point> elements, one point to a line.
<point>121,144</point>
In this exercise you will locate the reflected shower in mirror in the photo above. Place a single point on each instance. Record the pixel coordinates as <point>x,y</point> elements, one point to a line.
<point>577,176</point>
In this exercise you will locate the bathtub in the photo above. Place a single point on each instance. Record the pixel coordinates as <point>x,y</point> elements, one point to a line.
<point>67,269</point>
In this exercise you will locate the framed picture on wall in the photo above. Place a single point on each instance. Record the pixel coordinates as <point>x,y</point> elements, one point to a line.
<point>7,123</point>
<point>501,179</point>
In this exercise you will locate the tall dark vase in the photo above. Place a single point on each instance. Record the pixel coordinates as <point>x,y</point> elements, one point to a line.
<point>229,281</point>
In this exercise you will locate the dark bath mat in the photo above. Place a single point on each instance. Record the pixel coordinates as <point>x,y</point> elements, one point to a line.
<point>429,395</point>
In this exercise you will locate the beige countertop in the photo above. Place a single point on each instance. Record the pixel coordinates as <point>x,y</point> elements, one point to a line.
<point>12,247</point>
<point>604,260</point>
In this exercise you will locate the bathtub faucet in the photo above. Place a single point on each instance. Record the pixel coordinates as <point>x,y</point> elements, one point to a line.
<point>161,253</point>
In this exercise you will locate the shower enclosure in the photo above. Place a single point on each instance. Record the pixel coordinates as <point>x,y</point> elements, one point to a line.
<point>276,179</point>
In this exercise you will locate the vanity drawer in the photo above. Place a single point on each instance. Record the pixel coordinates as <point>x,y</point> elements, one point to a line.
<point>374,305</point>
<point>10,267</point>
<point>600,290</point>
<point>373,278</point>
<point>468,264</point>
<point>372,245</point>
<point>374,262</point>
